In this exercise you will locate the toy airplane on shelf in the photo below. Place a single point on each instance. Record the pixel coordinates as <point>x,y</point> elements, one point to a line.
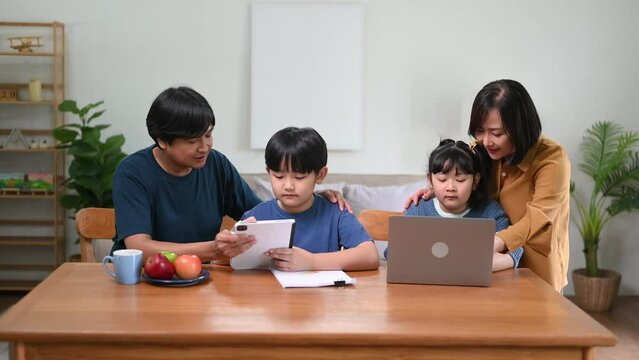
<point>25,43</point>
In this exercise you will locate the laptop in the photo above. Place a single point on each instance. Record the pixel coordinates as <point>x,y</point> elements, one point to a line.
<point>441,251</point>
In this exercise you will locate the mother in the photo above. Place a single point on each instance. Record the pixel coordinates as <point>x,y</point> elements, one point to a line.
<point>530,177</point>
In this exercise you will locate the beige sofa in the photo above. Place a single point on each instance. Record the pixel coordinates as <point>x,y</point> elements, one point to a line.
<point>364,179</point>
<point>363,191</point>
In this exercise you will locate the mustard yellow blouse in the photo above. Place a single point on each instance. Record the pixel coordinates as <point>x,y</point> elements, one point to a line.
<point>536,197</point>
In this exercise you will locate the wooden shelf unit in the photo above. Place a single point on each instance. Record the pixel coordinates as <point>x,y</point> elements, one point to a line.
<point>34,267</point>
<point>36,150</point>
<point>49,61</point>
<point>27,196</point>
<point>26,222</point>
<point>26,102</point>
<point>17,285</point>
<point>7,53</point>
<point>27,241</point>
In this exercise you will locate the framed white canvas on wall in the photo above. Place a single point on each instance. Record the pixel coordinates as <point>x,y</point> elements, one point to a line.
<point>307,70</point>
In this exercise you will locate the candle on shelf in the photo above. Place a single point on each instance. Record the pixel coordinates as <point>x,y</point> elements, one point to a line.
<point>35,90</point>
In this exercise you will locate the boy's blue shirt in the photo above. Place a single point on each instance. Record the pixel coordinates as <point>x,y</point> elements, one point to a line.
<point>320,229</point>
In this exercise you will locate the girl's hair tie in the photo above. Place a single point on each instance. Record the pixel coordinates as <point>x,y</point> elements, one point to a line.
<point>473,144</point>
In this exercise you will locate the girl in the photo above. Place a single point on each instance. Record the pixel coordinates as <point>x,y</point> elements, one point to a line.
<point>457,177</point>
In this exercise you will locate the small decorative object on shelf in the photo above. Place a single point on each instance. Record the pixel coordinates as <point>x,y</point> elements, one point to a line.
<point>11,181</point>
<point>25,43</point>
<point>34,144</point>
<point>25,183</point>
<point>16,140</point>
<point>44,144</point>
<point>8,94</point>
<point>40,182</point>
<point>30,184</point>
<point>35,90</point>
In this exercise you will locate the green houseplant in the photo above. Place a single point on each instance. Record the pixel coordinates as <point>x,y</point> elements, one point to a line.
<point>611,160</point>
<point>94,161</point>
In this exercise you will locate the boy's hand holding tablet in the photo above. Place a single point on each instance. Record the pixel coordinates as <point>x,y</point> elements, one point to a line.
<point>269,234</point>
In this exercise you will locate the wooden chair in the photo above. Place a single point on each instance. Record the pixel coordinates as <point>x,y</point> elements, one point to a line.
<point>99,223</point>
<point>91,224</point>
<point>376,222</point>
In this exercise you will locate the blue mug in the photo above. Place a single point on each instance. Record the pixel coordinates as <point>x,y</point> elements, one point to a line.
<point>127,264</point>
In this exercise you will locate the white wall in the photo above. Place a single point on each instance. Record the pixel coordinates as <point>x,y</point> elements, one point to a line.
<point>425,61</point>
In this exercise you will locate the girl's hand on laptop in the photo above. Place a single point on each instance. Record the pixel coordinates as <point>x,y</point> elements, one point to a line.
<point>335,196</point>
<point>290,259</point>
<point>423,193</point>
<point>502,262</point>
<point>499,246</point>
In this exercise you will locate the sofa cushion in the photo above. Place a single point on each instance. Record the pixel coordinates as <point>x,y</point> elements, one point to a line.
<point>390,198</point>
<point>264,190</point>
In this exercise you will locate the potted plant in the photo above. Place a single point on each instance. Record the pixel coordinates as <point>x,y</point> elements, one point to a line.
<point>611,160</point>
<point>94,161</point>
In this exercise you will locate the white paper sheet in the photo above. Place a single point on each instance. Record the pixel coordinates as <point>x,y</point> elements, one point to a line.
<point>312,278</point>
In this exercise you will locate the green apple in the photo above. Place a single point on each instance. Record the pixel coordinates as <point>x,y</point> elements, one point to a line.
<point>171,256</point>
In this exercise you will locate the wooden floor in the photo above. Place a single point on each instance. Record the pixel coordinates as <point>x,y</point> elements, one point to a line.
<point>6,300</point>
<point>622,320</point>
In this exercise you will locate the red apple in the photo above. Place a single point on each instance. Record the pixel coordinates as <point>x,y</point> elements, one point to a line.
<point>188,266</point>
<point>159,267</point>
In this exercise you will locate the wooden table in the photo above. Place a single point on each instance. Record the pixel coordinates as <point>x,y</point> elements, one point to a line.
<point>79,312</point>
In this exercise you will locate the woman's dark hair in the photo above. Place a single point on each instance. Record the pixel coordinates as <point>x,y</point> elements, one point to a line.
<point>300,150</point>
<point>458,155</point>
<point>179,113</point>
<point>517,111</point>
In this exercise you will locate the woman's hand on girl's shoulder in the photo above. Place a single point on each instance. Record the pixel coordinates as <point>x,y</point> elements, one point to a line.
<point>420,194</point>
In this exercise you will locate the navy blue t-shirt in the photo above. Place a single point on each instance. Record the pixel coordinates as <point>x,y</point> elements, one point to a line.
<point>320,229</point>
<point>180,209</point>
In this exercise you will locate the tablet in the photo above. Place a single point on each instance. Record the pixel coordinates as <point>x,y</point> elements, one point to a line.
<point>269,234</point>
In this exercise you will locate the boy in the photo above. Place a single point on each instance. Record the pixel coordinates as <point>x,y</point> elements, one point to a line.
<point>296,161</point>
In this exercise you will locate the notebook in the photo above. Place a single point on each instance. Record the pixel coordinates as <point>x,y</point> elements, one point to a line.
<point>442,251</point>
